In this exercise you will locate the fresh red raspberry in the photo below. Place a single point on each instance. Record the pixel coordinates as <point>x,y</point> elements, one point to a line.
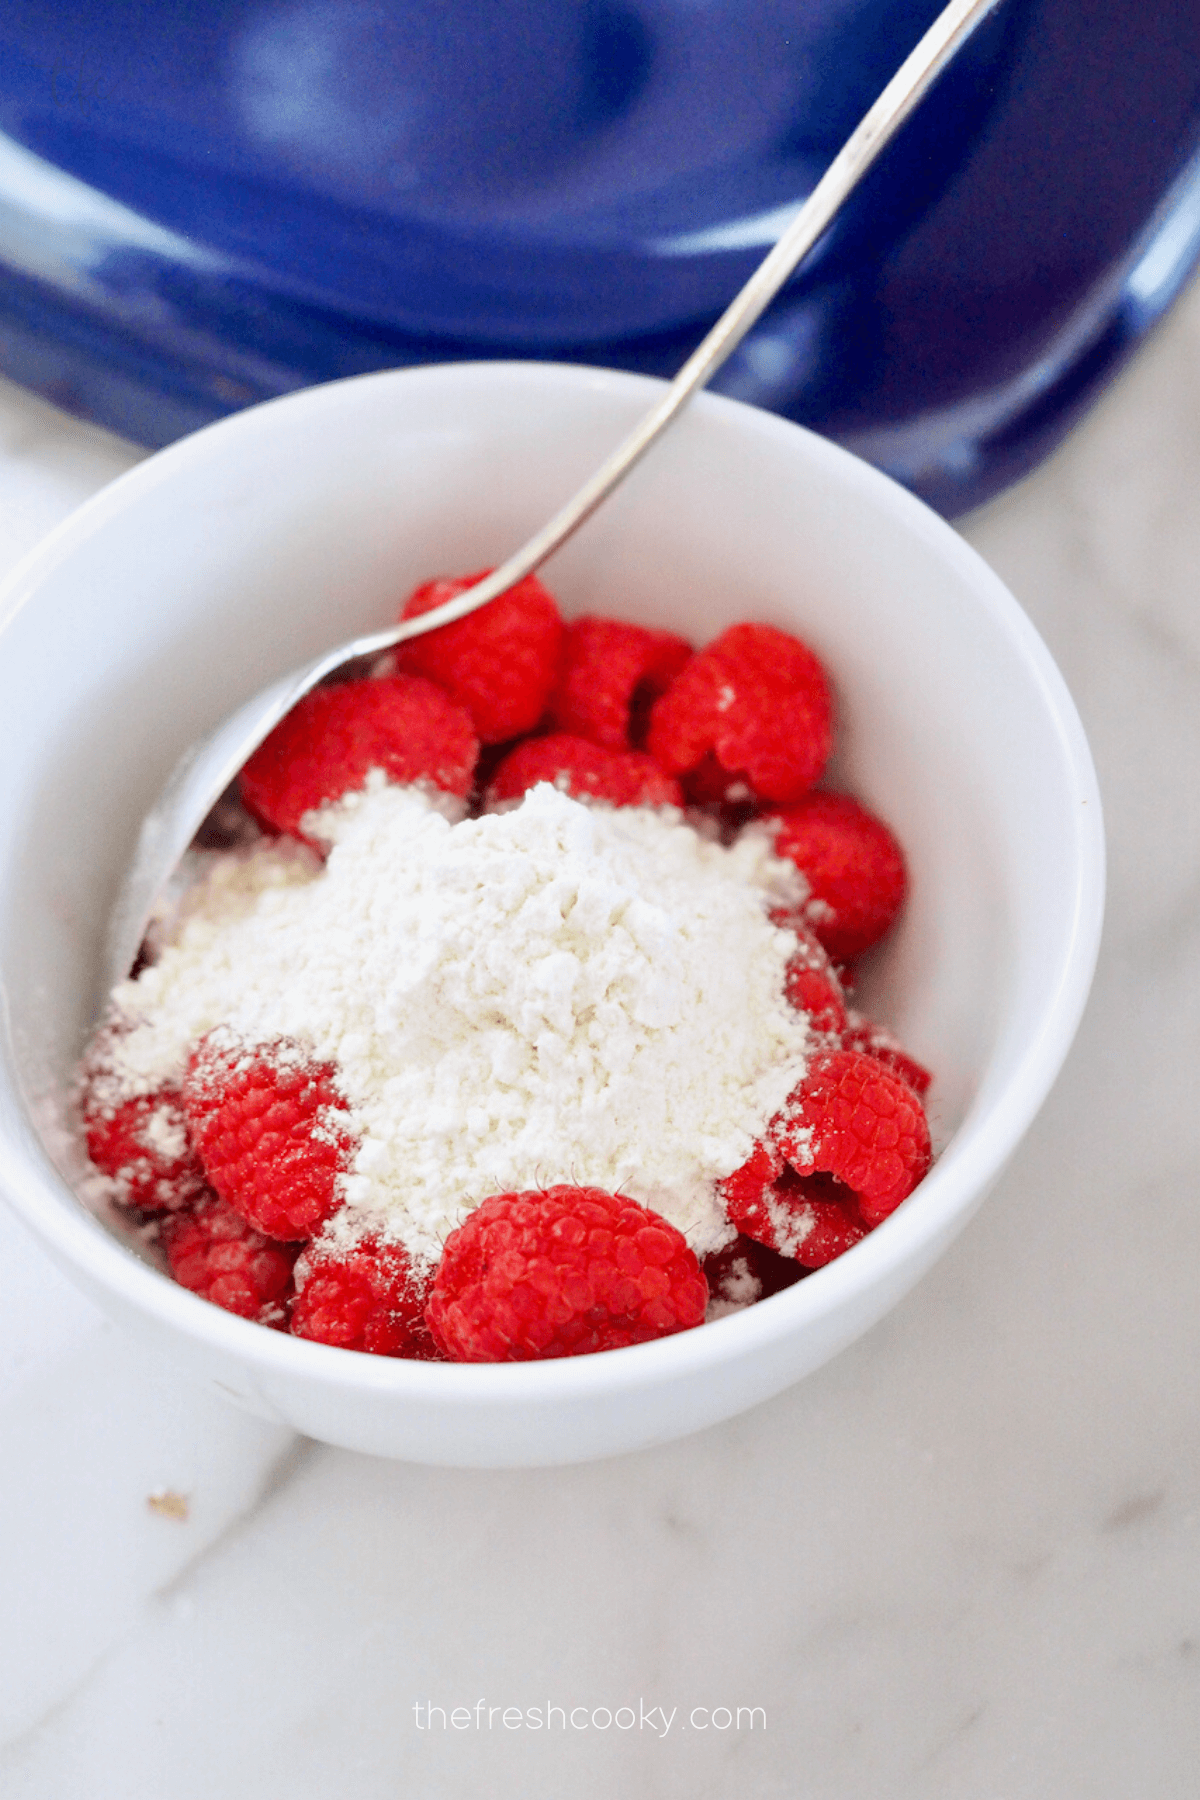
<point>810,980</point>
<point>745,1272</point>
<point>805,1218</point>
<point>332,739</point>
<point>854,868</point>
<point>611,674</point>
<point>744,1187</point>
<point>709,784</point>
<point>143,1144</point>
<point>855,1119</point>
<point>877,1041</point>
<point>743,1190</point>
<point>849,1145</point>
<point>758,702</point>
<point>832,1221</point>
<point>500,663</point>
<point>563,1272</point>
<point>589,772</point>
<point>271,1130</point>
<point>215,1253</point>
<point>365,1298</point>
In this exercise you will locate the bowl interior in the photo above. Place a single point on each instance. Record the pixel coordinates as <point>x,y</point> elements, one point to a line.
<point>239,553</point>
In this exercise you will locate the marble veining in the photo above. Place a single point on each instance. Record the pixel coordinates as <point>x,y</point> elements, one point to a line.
<point>962,1562</point>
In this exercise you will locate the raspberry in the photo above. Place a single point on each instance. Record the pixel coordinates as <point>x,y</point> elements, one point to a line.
<point>270,1127</point>
<point>849,1145</point>
<point>215,1253</point>
<point>563,1272</point>
<point>500,663</point>
<point>365,1298</point>
<point>803,1218</point>
<point>745,1272</point>
<point>143,1144</point>
<point>709,784</point>
<point>854,868</point>
<point>611,672</point>
<point>854,1119</point>
<point>743,1190</point>
<point>832,1221</point>
<point>624,777</point>
<point>877,1041</point>
<point>332,739</point>
<point>810,980</point>
<point>757,702</point>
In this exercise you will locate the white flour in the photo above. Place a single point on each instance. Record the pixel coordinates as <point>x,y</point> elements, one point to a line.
<point>558,992</point>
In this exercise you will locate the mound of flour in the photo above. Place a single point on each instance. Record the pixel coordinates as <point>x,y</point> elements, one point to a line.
<point>558,992</point>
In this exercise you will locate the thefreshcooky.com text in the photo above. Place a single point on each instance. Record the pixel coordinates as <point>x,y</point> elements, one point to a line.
<point>659,1720</point>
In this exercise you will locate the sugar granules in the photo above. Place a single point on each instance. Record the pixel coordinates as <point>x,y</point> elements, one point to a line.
<point>559,992</point>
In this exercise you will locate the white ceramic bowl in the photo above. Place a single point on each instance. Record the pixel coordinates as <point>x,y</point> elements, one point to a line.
<point>242,551</point>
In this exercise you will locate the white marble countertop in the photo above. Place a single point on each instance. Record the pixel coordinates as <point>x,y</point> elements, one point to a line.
<point>962,1562</point>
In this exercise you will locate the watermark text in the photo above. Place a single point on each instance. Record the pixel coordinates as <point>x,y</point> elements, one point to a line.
<point>661,1721</point>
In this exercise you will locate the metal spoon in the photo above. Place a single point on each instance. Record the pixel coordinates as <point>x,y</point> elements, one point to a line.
<point>204,773</point>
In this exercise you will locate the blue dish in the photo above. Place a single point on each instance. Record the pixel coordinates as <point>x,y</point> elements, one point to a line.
<point>201,207</point>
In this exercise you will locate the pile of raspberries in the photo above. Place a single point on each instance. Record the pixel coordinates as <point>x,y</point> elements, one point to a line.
<point>238,1165</point>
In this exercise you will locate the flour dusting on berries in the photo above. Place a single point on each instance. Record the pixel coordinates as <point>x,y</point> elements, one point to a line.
<point>465,1054</point>
<point>557,990</point>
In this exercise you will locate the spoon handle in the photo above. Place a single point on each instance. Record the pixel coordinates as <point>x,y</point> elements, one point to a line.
<point>201,777</point>
<point>949,30</point>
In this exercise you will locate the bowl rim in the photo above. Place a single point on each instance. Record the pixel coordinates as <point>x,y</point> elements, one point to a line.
<point>85,1247</point>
